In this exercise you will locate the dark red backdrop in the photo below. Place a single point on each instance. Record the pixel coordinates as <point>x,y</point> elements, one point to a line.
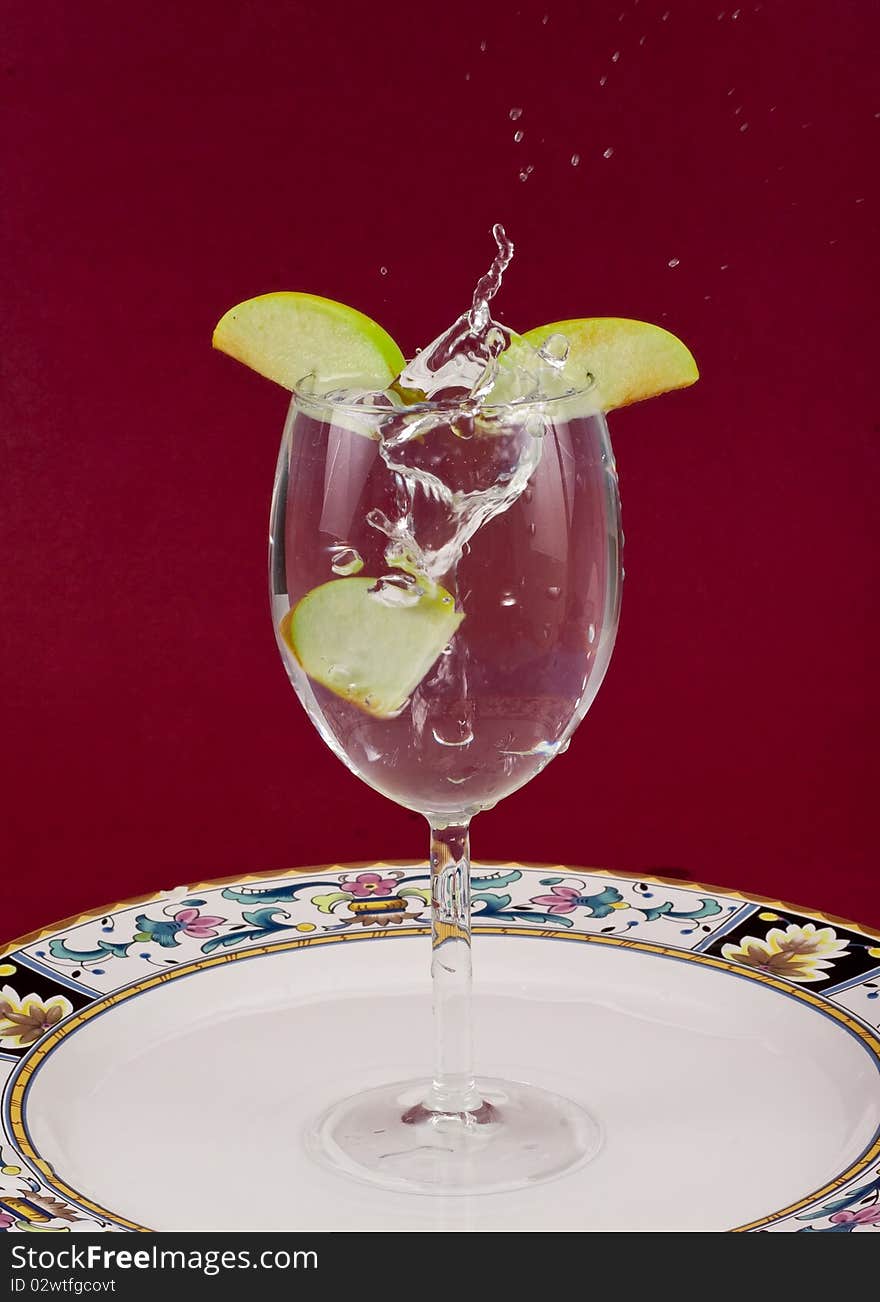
<point>169,160</point>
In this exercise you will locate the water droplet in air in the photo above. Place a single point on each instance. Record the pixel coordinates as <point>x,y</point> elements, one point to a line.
<point>608,152</point>
<point>591,634</point>
<point>615,58</point>
<point>518,135</point>
<point>724,266</point>
<point>545,20</point>
<point>664,16</point>
<point>525,173</point>
<point>737,110</point>
<point>508,599</point>
<point>483,46</point>
<point>736,13</point>
<point>575,159</point>
<point>673,262</point>
<point>642,40</point>
<point>383,271</point>
<point>744,127</point>
<point>467,76</point>
<point>603,81</point>
<point>515,114</point>
<point>533,527</point>
<point>453,732</point>
<point>345,560</point>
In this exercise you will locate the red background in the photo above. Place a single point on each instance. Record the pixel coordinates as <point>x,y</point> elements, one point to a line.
<point>166,161</point>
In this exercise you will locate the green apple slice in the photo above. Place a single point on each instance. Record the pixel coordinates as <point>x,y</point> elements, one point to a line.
<point>367,652</point>
<point>289,336</point>
<point>629,360</point>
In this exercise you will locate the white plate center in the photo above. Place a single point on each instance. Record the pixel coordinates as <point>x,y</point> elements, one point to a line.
<point>185,1106</point>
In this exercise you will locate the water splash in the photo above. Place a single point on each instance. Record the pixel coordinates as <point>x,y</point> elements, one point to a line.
<point>489,285</point>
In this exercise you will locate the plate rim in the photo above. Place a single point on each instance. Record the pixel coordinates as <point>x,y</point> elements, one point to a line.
<point>211,883</point>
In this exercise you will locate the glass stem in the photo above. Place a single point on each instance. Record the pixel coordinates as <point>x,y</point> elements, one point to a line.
<point>453,1089</point>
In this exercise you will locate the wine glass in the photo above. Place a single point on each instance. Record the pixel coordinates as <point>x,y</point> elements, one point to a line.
<point>445,587</point>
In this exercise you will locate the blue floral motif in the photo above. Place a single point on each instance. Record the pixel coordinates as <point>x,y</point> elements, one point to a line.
<point>843,1214</point>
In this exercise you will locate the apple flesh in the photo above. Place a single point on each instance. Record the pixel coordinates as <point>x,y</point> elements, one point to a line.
<point>365,651</point>
<point>291,336</point>
<point>628,360</point>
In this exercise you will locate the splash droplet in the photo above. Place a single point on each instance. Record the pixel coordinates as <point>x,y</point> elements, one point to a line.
<point>603,81</point>
<point>554,350</point>
<point>545,20</point>
<point>608,152</point>
<point>483,47</point>
<point>554,592</point>
<point>575,159</point>
<point>345,560</point>
<point>508,599</point>
<point>517,135</point>
<point>744,127</point>
<point>525,173</point>
<point>397,590</point>
<point>515,114</point>
<point>615,58</point>
<point>591,634</point>
<point>383,271</point>
<point>673,262</point>
<point>642,40</point>
<point>664,16</point>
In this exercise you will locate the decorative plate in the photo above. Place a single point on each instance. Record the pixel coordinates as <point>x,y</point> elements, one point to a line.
<point>161,1061</point>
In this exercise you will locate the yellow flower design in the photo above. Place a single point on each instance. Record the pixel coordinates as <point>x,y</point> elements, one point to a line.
<point>801,954</point>
<point>24,1020</point>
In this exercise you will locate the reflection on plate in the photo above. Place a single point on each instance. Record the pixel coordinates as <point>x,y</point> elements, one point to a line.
<point>161,1062</point>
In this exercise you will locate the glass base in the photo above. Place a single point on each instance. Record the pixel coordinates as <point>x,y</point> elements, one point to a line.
<point>518,1135</point>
